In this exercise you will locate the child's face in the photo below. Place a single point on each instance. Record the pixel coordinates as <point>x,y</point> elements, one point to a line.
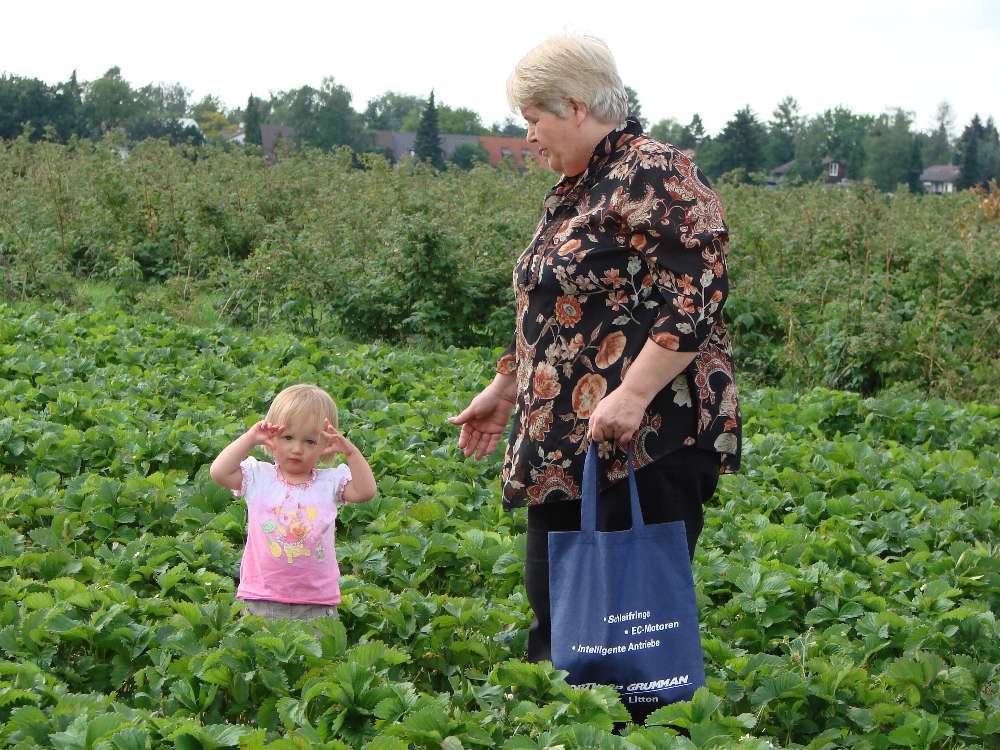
<point>299,448</point>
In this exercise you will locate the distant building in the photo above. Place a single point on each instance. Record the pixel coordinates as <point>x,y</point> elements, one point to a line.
<point>518,150</point>
<point>940,178</point>
<point>399,145</point>
<point>271,134</point>
<point>835,171</point>
<point>780,173</point>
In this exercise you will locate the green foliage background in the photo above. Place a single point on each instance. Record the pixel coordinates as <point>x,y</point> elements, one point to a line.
<point>850,289</point>
<point>848,578</point>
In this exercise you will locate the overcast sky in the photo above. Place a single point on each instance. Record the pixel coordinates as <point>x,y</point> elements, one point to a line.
<point>707,56</point>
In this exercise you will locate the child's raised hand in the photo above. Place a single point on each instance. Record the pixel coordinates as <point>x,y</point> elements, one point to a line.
<point>335,442</point>
<point>264,433</point>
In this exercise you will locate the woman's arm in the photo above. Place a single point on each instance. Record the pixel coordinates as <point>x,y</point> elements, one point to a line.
<point>485,419</point>
<point>684,242</point>
<point>620,412</point>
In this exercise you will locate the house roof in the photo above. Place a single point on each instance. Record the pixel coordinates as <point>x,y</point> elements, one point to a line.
<point>269,135</point>
<point>783,168</point>
<point>940,173</point>
<point>828,160</point>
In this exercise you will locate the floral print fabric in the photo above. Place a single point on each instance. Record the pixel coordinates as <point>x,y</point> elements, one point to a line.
<point>633,248</point>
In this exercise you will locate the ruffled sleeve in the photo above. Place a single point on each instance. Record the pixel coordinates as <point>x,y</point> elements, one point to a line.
<point>248,469</point>
<point>338,477</point>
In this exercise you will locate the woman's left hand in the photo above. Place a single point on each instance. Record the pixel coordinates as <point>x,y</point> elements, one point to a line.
<point>617,417</point>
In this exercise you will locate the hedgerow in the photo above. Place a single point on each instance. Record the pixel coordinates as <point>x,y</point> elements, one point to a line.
<point>849,289</point>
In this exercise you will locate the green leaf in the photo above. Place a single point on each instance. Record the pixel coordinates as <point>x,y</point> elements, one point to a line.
<point>777,686</point>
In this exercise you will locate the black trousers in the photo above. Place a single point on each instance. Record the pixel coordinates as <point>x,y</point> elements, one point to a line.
<point>673,488</point>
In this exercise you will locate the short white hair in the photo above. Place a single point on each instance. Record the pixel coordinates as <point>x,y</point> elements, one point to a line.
<point>569,66</point>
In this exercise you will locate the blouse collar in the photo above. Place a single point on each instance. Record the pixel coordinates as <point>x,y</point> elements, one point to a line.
<point>301,485</point>
<point>613,143</point>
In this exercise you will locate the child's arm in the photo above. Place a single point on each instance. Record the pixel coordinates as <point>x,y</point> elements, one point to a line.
<point>361,488</point>
<point>225,470</point>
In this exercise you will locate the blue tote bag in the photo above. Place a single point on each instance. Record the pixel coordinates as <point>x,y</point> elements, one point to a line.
<point>622,605</point>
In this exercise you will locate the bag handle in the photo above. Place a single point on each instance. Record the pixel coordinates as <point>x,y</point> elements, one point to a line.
<point>588,506</point>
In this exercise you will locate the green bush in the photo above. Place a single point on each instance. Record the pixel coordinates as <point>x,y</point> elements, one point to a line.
<point>850,289</point>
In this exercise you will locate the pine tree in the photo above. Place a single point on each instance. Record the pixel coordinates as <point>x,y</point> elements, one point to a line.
<point>742,143</point>
<point>251,121</point>
<point>968,154</point>
<point>634,107</point>
<point>69,120</point>
<point>916,167</point>
<point>693,134</point>
<point>427,146</point>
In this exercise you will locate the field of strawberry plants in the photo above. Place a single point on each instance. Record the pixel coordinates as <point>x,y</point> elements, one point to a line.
<point>848,579</point>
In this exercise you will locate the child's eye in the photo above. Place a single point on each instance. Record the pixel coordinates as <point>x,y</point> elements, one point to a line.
<point>311,442</point>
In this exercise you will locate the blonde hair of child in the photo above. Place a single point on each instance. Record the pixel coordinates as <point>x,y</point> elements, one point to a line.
<point>302,404</point>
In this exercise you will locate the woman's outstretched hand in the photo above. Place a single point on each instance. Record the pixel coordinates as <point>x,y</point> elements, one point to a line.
<point>483,422</point>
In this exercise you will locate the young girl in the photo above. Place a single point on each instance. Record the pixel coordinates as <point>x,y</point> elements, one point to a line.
<point>289,568</point>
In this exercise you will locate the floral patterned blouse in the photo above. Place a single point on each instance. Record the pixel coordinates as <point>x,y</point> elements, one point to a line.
<point>633,248</point>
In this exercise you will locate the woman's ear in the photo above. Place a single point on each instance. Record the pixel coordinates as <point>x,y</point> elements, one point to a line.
<point>578,110</point>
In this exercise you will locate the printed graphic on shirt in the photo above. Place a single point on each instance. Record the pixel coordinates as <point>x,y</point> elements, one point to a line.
<point>295,531</point>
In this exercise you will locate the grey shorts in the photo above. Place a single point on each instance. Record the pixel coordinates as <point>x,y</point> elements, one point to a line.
<point>280,611</point>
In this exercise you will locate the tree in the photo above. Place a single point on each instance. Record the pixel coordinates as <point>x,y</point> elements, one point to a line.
<point>461,120</point>
<point>468,155</point>
<point>668,130</point>
<point>889,151</point>
<point>24,102</point>
<point>251,122</point>
<point>209,113</point>
<point>937,147</point>
<point>321,117</point>
<point>427,146</point>
<point>510,128</point>
<point>989,152</point>
<point>162,101</point>
<point>337,124</point>
<point>978,152</point>
<point>389,110</point>
<point>109,102</point>
<point>693,134</point>
<point>741,143</point>
<point>782,129</point>
<point>634,108</point>
<point>68,110</point>
<point>207,103</point>
<point>838,134</point>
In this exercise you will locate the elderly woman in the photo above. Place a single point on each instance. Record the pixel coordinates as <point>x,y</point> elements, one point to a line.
<point>619,334</point>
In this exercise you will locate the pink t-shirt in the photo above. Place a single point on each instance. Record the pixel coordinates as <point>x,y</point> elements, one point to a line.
<point>290,555</point>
